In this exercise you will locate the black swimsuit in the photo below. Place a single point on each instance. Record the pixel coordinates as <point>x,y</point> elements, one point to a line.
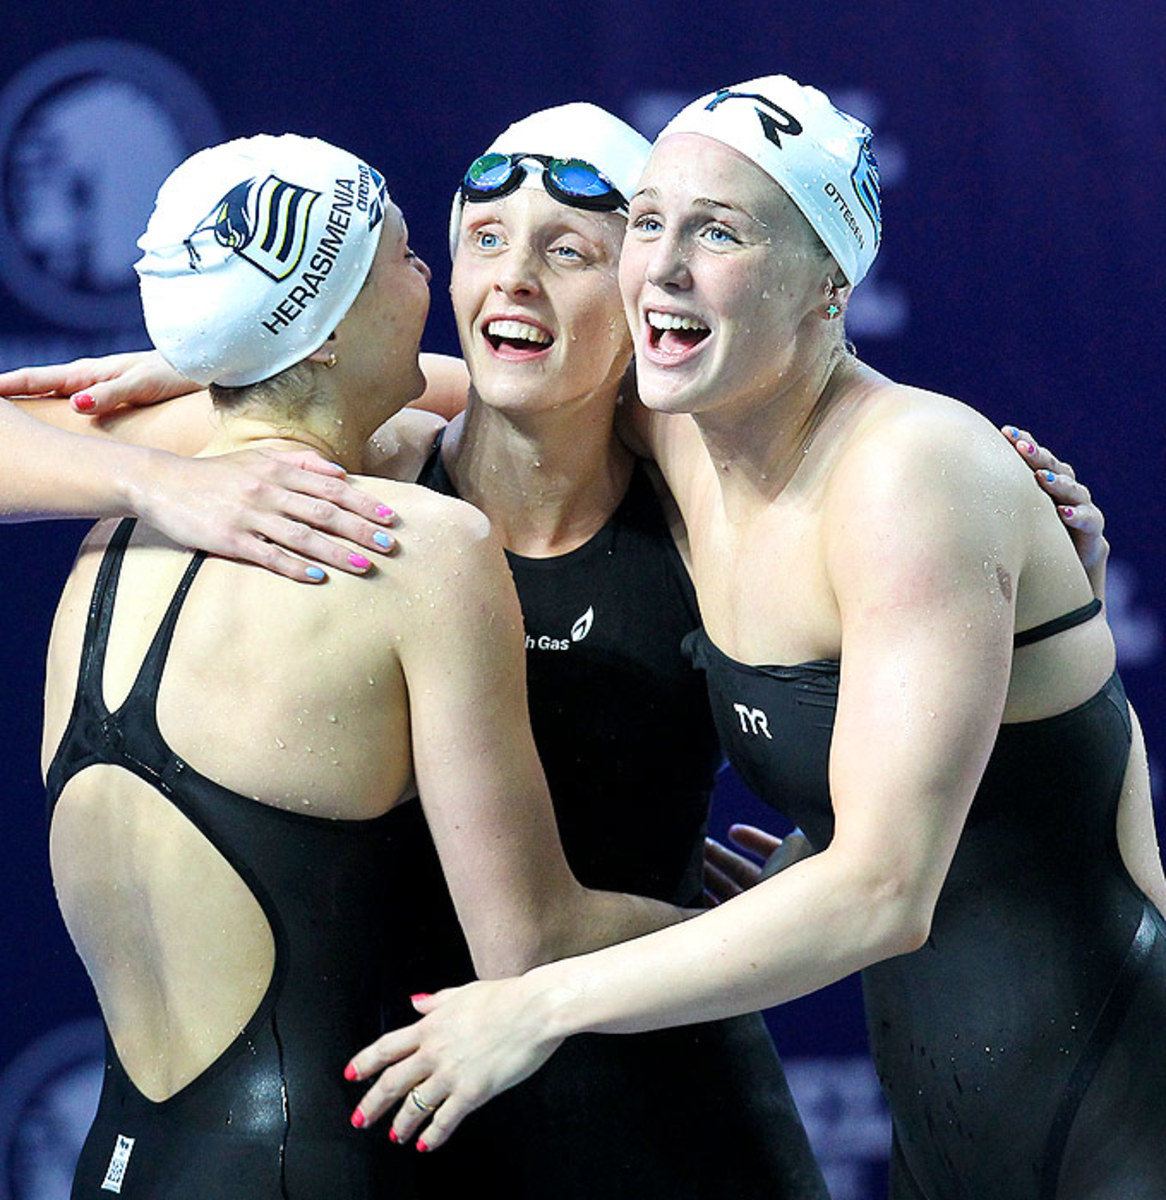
<point>268,1119</point>
<point>625,735</point>
<point>1021,1049</point>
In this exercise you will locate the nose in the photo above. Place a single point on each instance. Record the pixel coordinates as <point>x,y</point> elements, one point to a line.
<point>423,267</point>
<point>518,272</point>
<point>666,263</point>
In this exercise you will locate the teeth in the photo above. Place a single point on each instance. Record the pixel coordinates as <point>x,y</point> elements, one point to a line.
<point>659,320</point>
<point>519,330</point>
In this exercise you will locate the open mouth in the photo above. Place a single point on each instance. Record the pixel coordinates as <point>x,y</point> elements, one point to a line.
<point>517,339</point>
<point>674,335</point>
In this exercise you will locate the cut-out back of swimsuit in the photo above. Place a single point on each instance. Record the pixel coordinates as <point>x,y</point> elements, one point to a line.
<point>277,1089</point>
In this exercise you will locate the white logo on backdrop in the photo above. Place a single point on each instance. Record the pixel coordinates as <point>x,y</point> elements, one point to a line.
<point>48,1095</point>
<point>846,1119</point>
<point>87,133</point>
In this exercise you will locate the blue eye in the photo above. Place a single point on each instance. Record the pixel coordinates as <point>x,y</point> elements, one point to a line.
<point>719,235</point>
<point>486,240</point>
<point>647,224</point>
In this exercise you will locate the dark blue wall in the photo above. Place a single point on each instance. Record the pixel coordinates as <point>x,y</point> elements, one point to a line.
<point>1022,270</point>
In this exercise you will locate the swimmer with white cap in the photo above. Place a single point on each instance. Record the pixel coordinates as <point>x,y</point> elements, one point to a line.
<point>621,721</point>
<point>222,794</point>
<point>885,547</point>
<point>249,505</point>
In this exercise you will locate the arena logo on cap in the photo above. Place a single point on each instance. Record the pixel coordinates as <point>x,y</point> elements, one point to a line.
<point>265,223</point>
<point>372,194</point>
<point>87,133</point>
<point>791,126</point>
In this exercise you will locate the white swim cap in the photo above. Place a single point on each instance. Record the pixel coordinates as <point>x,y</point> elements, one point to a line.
<point>254,252</point>
<point>821,158</point>
<point>579,130</point>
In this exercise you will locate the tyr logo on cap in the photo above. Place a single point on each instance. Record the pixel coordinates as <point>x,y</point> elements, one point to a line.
<point>772,126</point>
<point>265,223</point>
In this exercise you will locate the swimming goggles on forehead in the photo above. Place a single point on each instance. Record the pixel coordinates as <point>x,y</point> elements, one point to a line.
<point>570,181</point>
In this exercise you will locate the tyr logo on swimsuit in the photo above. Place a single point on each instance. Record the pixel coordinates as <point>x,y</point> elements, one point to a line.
<point>753,720</point>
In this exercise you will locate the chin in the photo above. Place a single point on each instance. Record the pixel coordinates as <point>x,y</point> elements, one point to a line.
<point>663,392</point>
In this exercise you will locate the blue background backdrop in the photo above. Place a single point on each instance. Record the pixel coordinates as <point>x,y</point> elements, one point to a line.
<point>1022,270</point>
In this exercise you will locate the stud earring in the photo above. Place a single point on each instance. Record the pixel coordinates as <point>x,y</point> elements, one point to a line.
<point>832,310</point>
<point>330,361</point>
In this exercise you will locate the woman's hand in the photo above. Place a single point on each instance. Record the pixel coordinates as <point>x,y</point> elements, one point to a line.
<point>472,1043</point>
<point>728,873</point>
<point>98,385</point>
<point>267,508</point>
<point>1083,519</point>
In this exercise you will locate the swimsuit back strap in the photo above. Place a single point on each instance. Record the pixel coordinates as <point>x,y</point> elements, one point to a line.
<point>96,638</point>
<point>150,672</point>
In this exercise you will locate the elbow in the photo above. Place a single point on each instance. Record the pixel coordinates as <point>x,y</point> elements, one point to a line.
<point>900,915</point>
<point>511,955</point>
<point>908,933</point>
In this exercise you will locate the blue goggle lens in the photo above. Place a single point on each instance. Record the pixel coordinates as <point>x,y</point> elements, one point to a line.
<point>569,180</point>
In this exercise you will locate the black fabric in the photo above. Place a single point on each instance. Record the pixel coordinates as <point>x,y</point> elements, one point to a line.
<point>625,734</point>
<point>1048,629</point>
<point>1024,1039</point>
<point>269,1118</point>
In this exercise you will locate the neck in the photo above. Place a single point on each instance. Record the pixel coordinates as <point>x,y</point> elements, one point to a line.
<point>761,444</point>
<point>549,480</point>
<point>335,442</point>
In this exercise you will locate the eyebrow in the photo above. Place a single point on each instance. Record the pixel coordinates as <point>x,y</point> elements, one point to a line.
<point>701,202</point>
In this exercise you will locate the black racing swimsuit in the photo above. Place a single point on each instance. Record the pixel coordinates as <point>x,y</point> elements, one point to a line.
<point>1022,1048</point>
<point>268,1119</point>
<point>624,732</point>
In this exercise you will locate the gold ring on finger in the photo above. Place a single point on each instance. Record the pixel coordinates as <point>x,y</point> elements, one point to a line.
<point>415,1096</point>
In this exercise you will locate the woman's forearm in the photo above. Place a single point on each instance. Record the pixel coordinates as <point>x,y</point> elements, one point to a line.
<point>788,936</point>
<point>50,473</point>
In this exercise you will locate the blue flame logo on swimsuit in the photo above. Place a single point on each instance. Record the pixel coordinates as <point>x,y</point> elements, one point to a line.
<point>265,223</point>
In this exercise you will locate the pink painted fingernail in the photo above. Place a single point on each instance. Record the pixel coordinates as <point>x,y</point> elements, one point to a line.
<point>1026,447</point>
<point>84,401</point>
<point>419,996</point>
<point>1068,512</point>
<point>357,1118</point>
<point>422,1147</point>
<point>383,510</point>
<point>393,1136</point>
<point>359,562</point>
<point>350,1072</point>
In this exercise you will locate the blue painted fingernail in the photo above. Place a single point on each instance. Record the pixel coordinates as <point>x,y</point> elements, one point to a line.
<point>316,573</point>
<point>1050,476</point>
<point>1013,431</point>
<point>382,539</point>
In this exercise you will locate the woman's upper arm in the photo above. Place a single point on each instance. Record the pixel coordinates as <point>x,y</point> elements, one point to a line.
<point>183,425</point>
<point>923,563</point>
<point>477,770</point>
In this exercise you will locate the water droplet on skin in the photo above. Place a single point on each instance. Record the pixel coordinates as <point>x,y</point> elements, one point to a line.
<point>280,744</point>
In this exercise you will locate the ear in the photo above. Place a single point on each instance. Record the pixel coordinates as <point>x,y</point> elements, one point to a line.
<point>326,355</point>
<point>836,291</point>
